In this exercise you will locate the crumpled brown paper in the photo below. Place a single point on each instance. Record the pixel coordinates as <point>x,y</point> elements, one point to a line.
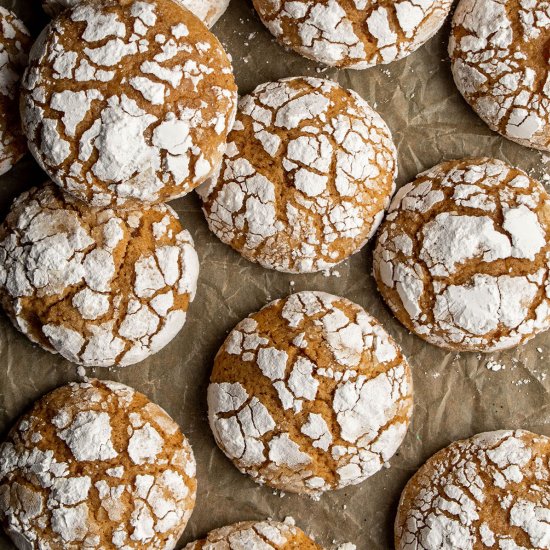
<point>456,395</point>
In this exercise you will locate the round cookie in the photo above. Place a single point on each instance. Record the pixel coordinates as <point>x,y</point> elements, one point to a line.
<point>354,35</point>
<point>101,287</point>
<point>500,65</point>
<point>208,11</point>
<point>462,258</point>
<point>15,43</point>
<point>128,101</point>
<point>96,466</point>
<point>256,535</point>
<point>489,491</point>
<point>310,394</point>
<point>308,172</point>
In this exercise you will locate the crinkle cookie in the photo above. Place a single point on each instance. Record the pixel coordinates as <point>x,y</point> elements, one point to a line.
<point>256,535</point>
<point>310,394</point>
<point>101,287</point>
<point>357,34</point>
<point>128,101</point>
<point>308,172</point>
<point>500,65</point>
<point>96,466</point>
<point>15,43</point>
<point>489,491</point>
<point>463,256</point>
<point>208,11</point>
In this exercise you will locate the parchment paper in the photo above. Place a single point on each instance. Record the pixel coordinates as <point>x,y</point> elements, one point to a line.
<point>456,395</point>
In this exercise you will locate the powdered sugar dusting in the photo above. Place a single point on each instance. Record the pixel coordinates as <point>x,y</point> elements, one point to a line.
<point>487,491</point>
<point>270,413</point>
<point>356,34</point>
<point>462,258</point>
<point>119,282</point>
<point>261,535</point>
<point>82,478</point>
<point>15,42</point>
<point>314,187</point>
<point>499,66</point>
<point>147,99</point>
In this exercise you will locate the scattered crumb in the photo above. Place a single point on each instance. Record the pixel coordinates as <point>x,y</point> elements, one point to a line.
<point>494,365</point>
<point>333,273</point>
<point>346,546</point>
<point>81,372</point>
<point>522,382</point>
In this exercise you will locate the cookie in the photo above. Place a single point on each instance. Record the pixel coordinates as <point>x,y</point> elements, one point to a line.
<point>489,491</point>
<point>99,286</point>
<point>15,43</point>
<point>354,35</point>
<point>128,101</point>
<point>96,466</point>
<point>463,256</point>
<point>256,535</point>
<point>499,64</point>
<point>308,172</point>
<point>310,394</point>
<point>208,11</point>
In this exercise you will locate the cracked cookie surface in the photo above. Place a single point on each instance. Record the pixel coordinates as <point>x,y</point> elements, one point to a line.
<point>15,43</point>
<point>489,491</point>
<point>96,466</point>
<point>128,101</point>
<point>462,258</point>
<point>208,11</point>
<point>354,34</point>
<point>310,394</point>
<point>101,287</point>
<point>499,57</point>
<point>256,535</point>
<point>308,172</point>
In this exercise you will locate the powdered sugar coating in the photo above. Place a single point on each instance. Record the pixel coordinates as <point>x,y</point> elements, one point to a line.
<point>499,62</point>
<point>310,394</point>
<point>15,42</point>
<point>259,535</point>
<point>68,477</point>
<point>490,491</point>
<point>126,102</point>
<point>308,172</point>
<point>463,256</point>
<point>208,11</point>
<point>354,34</point>
<point>99,286</point>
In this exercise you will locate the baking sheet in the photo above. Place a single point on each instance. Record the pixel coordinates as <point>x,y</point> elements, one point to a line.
<point>456,395</point>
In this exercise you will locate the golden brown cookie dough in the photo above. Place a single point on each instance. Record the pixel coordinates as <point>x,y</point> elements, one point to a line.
<point>353,34</point>
<point>310,394</point>
<point>15,43</point>
<point>256,535</point>
<point>499,59</point>
<point>462,258</point>
<point>489,491</point>
<point>96,466</point>
<point>101,287</point>
<point>128,101</point>
<point>308,172</point>
<point>208,11</point>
